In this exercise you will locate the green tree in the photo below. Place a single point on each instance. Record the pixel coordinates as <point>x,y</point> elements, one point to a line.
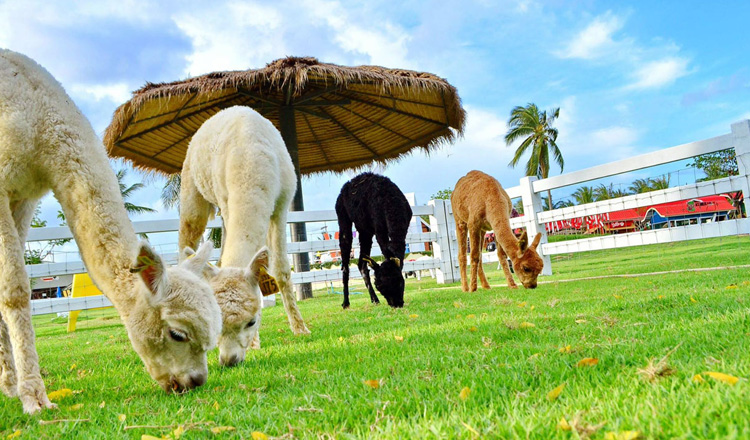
<point>534,129</point>
<point>170,198</point>
<point>717,165</point>
<point>603,192</point>
<point>39,251</point>
<point>127,191</point>
<point>658,183</point>
<point>443,194</point>
<point>557,205</point>
<point>640,186</point>
<point>518,206</point>
<point>170,193</point>
<point>583,195</point>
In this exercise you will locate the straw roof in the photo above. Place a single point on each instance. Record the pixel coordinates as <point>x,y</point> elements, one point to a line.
<point>344,117</point>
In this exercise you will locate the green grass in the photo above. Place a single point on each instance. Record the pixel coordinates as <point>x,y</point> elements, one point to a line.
<point>313,386</point>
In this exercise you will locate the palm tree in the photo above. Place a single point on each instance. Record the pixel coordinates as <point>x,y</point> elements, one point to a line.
<point>603,192</point>
<point>535,130</point>
<point>557,205</point>
<point>583,195</point>
<point>127,191</point>
<point>170,198</point>
<point>640,186</point>
<point>170,193</point>
<point>659,183</point>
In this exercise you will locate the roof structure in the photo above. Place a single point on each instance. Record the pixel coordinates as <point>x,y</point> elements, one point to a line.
<point>335,117</point>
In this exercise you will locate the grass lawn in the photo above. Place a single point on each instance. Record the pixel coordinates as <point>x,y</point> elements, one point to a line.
<point>449,364</point>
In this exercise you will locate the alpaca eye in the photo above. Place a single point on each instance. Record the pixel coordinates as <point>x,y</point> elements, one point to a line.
<point>526,269</point>
<point>177,335</point>
<point>251,323</point>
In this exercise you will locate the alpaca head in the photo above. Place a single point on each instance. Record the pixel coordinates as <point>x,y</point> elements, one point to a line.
<point>526,262</point>
<point>389,280</point>
<point>176,319</point>
<point>240,301</point>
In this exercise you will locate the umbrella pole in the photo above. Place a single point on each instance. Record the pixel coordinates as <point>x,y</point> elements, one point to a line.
<point>298,230</point>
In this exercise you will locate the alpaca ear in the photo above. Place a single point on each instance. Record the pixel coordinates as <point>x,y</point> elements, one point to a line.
<point>523,242</point>
<point>397,260</point>
<point>537,238</point>
<point>370,262</point>
<point>197,262</point>
<point>260,260</point>
<point>185,253</point>
<point>150,267</point>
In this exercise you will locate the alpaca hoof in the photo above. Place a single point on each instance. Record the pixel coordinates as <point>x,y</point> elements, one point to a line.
<point>300,329</point>
<point>344,306</point>
<point>34,399</point>
<point>513,286</point>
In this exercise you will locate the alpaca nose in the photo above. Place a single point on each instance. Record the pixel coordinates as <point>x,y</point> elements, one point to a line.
<point>197,380</point>
<point>230,361</point>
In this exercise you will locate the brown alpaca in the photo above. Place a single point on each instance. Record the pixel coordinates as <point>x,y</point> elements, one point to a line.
<point>480,204</point>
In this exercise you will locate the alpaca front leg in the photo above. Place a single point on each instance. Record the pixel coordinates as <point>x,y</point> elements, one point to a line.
<point>345,246</point>
<point>281,269</point>
<point>461,235</point>
<point>476,257</point>
<point>365,271</point>
<point>8,383</point>
<point>365,247</point>
<point>15,308</point>
<point>296,323</point>
<point>194,213</point>
<point>503,258</point>
<point>482,277</point>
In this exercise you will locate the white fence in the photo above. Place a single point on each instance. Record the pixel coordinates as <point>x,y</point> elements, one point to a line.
<point>534,218</point>
<point>443,235</point>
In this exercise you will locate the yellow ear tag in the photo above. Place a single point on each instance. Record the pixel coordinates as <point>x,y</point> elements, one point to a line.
<point>143,263</point>
<point>266,282</point>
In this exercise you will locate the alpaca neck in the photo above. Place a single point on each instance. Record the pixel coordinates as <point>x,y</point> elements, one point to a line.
<point>95,212</point>
<point>504,234</point>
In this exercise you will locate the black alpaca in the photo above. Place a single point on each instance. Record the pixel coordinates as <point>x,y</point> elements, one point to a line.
<point>376,207</point>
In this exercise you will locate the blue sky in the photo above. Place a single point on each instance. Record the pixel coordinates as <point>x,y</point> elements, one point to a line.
<point>629,77</point>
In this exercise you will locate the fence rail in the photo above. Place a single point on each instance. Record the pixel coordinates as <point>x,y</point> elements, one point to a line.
<point>443,236</point>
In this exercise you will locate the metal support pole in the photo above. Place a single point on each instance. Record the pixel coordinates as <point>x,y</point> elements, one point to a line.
<point>298,230</point>
<point>532,206</point>
<point>741,137</point>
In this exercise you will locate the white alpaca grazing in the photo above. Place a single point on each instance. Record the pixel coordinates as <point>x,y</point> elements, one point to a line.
<point>171,315</point>
<point>238,162</point>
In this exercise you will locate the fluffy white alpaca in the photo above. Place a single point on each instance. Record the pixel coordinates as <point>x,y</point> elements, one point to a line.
<point>238,162</point>
<point>46,144</point>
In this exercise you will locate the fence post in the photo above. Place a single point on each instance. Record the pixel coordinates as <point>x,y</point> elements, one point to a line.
<point>741,136</point>
<point>532,205</point>
<point>445,248</point>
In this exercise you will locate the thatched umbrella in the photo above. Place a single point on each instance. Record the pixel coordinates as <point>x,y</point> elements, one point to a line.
<point>332,118</point>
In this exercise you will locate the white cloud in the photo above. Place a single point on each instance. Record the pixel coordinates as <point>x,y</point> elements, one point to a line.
<point>383,43</point>
<point>239,36</point>
<point>613,137</point>
<point>117,93</point>
<point>660,73</point>
<point>595,40</point>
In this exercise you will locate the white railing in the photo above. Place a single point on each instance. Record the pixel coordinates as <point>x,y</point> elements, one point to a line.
<point>442,236</point>
<point>535,218</point>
